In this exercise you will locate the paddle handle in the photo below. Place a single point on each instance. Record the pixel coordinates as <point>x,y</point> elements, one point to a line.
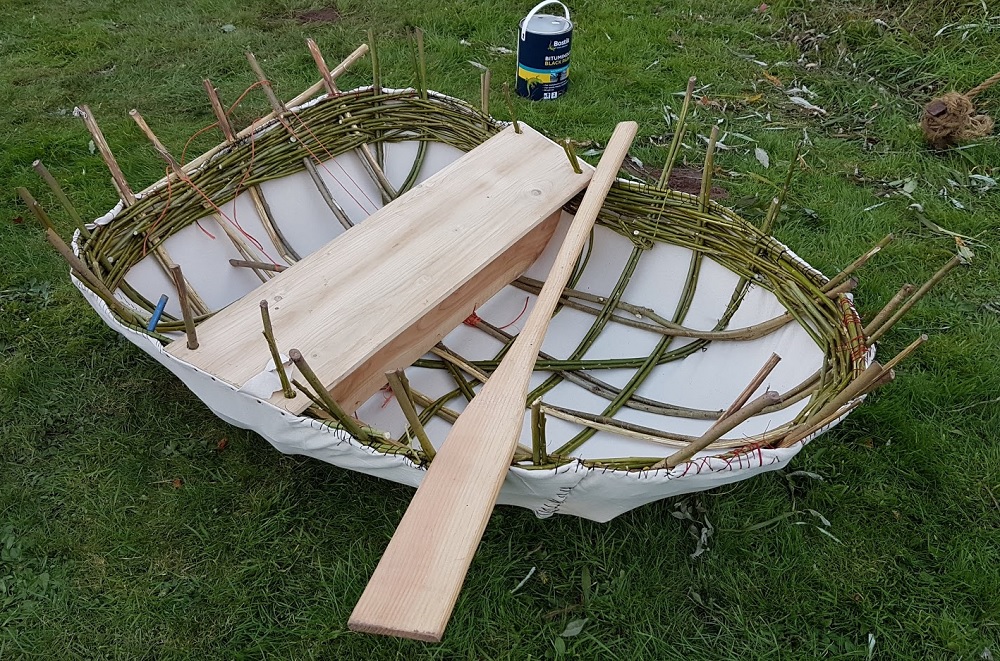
<point>576,238</point>
<point>416,584</point>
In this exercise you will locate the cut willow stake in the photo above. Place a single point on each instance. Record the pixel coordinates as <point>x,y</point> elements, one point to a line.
<point>772,214</point>
<point>376,68</point>
<point>376,91</point>
<point>539,450</point>
<point>256,195</point>
<point>330,77</point>
<point>400,388</point>
<point>36,209</point>
<point>276,105</point>
<point>346,421</point>
<point>56,241</point>
<point>324,71</point>
<point>705,198</point>
<point>163,257</point>
<point>279,366</point>
<point>418,34</point>
<point>61,196</point>
<point>78,266</point>
<point>484,93</point>
<point>716,431</point>
<point>416,584</point>
<point>889,308</point>
<point>675,144</point>
<point>924,288</point>
<point>369,161</point>
<point>157,145</point>
<point>858,263</point>
<point>755,383</point>
<point>567,144</point>
<point>182,298</point>
<point>260,266</point>
<point>124,190</point>
<point>510,106</point>
<point>848,285</point>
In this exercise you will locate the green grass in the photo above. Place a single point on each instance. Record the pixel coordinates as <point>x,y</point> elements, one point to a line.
<point>125,531</point>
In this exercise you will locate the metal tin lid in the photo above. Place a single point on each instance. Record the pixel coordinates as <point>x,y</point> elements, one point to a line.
<point>547,24</point>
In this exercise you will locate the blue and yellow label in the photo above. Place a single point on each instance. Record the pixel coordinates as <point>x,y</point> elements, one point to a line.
<point>538,76</point>
<point>543,65</point>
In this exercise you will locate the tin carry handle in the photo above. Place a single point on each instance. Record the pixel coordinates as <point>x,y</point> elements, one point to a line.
<point>534,10</point>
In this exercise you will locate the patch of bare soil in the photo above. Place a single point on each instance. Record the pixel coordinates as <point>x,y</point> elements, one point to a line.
<point>324,15</point>
<point>685,180</point>
<point>688,180</point>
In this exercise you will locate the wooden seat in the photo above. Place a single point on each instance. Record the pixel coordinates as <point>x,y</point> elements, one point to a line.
<point>386,291</point>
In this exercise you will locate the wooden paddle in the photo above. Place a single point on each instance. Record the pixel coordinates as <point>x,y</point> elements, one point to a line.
<point>415,586</point>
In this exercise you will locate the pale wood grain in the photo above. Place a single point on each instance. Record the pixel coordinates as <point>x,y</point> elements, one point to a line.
<point>365,380</point>
<point>413,270</point>
<point>415,586</point>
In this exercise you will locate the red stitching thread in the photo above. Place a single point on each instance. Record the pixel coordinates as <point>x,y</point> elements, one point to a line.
<point>473,319</point>
<point>387,393</point>
<point>523,310</point>
<point>323,165</point>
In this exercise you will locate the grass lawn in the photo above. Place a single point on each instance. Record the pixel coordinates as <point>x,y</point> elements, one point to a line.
<point>135,524</point>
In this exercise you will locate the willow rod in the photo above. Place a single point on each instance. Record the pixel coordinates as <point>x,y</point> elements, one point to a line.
<point>859,262</point>
<point>539,451</point>
<point>260,266</point>
<point>272,346</point>
<point>905,353</point>
<point>128,197</point>
<point>369,161</point>
<point>755,383</point>
<point>675,143</point>
<point>182,298</point>
<point>57,190</point>
<point>346,421</point>
<point>917,295</point>
<point>889,308</point>
<point>717,430</point>
<point>310,92</point>
<point>256,195</point>
<point>399,384</point>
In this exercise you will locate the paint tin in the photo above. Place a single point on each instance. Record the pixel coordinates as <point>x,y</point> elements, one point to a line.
<point>543,54</point>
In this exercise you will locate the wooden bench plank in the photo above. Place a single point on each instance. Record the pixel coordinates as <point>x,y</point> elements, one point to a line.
<point>383,293</point>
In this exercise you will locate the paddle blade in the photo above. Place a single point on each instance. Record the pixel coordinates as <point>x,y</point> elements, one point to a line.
<point>415,586</point>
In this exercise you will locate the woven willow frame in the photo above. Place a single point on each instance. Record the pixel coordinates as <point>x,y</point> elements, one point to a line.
<point>367,119</point>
